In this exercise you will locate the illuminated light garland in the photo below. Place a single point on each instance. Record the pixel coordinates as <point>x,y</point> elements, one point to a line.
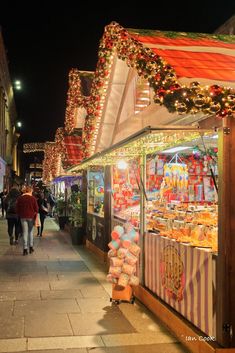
<point>75,99</point>
<point>161,77</point>
<point>50,163</point>
<point>59,140</point>
<point>56,156</point>
<point>151,143</point>
<point>33,147</point>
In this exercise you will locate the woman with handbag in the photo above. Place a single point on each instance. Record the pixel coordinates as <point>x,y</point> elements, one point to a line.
<point>43,210</point>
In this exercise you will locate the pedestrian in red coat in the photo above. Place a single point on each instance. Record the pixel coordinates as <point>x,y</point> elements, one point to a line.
<point>27,209</point>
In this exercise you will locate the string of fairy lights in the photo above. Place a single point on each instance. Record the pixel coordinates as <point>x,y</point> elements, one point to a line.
<point>117,41</point>
<point>148,144</point>
<point>161,77</point>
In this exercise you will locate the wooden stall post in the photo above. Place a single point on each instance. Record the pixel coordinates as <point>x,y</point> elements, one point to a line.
<point>107,205</point>
<point>142,214</point>
<point>225,281</point>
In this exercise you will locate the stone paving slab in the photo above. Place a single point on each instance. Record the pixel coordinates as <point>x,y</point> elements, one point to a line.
<point>13,345</point>
<point>38,277</point>
<point>92,291</point>
<point>26,307</point>
<point>150,348</point>
<point>73,283</point>
<point>11,327</point>
<point>61,294</point>
<point>92,305</point>
<point>70,350</point>
<point>141,318</point>
<point>19,295</point>
<point>6,308</point>
<point>100,323</point>
<point>47,325</point>
<point>64,342</point>
<point>21,286</point>
<point>9,277</point>
<point>127,339</point>
<point>74,275</point>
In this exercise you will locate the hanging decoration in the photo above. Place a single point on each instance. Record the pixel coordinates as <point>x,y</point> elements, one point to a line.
<point>33,147</point>
<point>162,78</point>
<point>75,99</point>
<point>50,163</point>
<point>176,173</point>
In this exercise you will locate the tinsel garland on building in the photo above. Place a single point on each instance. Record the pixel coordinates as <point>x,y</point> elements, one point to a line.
<point>191,99</point>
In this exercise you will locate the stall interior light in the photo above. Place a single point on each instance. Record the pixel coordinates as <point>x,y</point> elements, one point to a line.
<point>177,149</point>
<point>121,164</point>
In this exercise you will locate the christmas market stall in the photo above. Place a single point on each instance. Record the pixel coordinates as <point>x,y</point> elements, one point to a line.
<point>160,119</point>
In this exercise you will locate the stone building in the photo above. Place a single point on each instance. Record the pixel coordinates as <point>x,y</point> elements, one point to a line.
<point>9,165</point>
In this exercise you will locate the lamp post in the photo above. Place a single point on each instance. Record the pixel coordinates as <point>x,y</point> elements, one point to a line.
<point>17,85</point>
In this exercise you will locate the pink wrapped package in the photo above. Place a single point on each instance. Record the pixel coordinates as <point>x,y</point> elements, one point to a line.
<point>134,249</point>
<point>121,253</point>
<point>115,235</point>
<point>114,244</point>
<point>115,271</point>
<point>112,253</point>
<point>128,269</point>
<point>123,280</point>
<point>134,280</point>
<point>115,261</point>
<point>128,227</point>
<point>130,258</point>
<point>111,279</point>
<point>133,235</point>
<point>119,229</point>
<point>126,242</point>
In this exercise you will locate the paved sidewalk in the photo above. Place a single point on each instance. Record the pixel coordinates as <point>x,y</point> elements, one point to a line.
<point>58,299</point>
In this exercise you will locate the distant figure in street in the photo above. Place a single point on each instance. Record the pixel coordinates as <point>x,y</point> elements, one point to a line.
<point>27,209</point>
<point>37,222</point>
<point>3,195</point>
<point>43,210</point>
<point>51,200</point>
<point>13,220</point>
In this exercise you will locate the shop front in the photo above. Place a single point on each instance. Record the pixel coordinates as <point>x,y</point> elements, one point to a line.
<point>165,182</point>
<point>2,173</point>
<point>174,183</point>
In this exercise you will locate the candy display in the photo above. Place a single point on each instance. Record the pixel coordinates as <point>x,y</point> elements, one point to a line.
<point>123,255</point>
<point>181,198</point>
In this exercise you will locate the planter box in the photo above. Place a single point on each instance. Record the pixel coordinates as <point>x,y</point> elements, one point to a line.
<point>77,235</point>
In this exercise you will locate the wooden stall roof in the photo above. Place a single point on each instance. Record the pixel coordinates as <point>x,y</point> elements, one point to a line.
<point>191,76</point>
<point>73,150</point>
<point>193,55</point>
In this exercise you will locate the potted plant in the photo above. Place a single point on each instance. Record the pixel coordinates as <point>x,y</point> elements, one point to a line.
<point>77,228</point>
<point>61,210</point>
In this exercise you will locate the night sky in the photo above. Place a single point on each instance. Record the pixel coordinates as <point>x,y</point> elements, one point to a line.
<point>44,44</point>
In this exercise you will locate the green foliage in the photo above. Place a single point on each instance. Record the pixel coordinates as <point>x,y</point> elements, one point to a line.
<point>61,206</point>
<point>76,204</point>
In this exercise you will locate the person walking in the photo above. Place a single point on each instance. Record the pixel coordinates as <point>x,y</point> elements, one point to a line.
<point>27,209</point>
<point>52,201</point>
<point>3,195</point>
<point>13,220</point>
<point>43,210</point>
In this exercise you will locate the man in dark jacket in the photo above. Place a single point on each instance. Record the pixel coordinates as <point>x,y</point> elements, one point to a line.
<point>13,220</point>
<point>3,195</point>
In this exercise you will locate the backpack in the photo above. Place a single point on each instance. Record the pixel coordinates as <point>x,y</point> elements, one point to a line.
<point>11,206</point>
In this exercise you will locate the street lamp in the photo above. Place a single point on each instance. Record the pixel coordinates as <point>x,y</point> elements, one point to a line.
<point>18,85</point>
<point>19,124</point>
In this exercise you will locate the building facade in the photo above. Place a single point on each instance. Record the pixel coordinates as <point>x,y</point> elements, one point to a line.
<point>9,165</point>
